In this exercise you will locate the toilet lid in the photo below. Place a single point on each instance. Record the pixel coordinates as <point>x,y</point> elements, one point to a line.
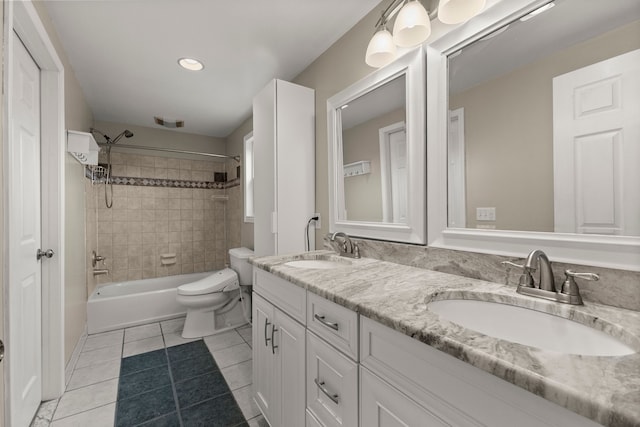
<point>220,281</point>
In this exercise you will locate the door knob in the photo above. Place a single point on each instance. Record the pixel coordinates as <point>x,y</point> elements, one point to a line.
<point>46,254</point>
<point>1,350</point>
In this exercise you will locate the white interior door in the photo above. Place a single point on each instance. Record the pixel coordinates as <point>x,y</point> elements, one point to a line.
<point>457,207</point>
<point>394,177</point>
<point>596,121</point>
<point>24,297</point>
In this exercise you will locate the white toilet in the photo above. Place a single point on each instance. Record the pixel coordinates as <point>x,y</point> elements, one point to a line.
<point>221,301</point>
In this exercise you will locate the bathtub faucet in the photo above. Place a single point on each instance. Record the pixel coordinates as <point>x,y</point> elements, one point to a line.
<point>100,272</point>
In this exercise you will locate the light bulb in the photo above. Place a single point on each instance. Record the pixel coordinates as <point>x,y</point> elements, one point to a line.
<point>381,49</point>
<point>412,26</point>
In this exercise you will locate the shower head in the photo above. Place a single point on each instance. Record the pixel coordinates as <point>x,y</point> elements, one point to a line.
<point>126,133</point>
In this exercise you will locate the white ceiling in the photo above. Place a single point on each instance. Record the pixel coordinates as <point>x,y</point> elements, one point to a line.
<point>124,53</point>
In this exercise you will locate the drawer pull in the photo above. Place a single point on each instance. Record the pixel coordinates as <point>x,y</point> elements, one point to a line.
<point>266,338</point>
<point>326,323</point>
<point>334,397</point>
<point>273,347</point>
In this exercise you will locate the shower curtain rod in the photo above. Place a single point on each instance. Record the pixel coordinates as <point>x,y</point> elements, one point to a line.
<point>170,150</point>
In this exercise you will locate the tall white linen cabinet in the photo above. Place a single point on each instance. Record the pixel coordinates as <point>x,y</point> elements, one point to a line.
<point>284,168</point>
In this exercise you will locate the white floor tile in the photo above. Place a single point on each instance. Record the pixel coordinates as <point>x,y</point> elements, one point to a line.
<point>101,355</point>
<point>245,333</point>
<point>141,332</point>
<point>244,398</point>
<point>104,416</point>
<point>86,398</point>
<point>175,338</point>
<point>173,325</point>
<point>223,340</point>
<point>142,346</point>
<point>83,377</point>
<point>40,422</point>
<point>106,339</point>
<point>47,409</point>
<point>238,376</point>
<point>232,355</point>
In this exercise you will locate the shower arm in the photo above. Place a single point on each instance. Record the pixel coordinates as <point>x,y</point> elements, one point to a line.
<point>169,150</point>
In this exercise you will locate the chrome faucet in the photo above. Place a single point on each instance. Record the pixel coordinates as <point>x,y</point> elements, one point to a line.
<point>545,287</point>
<point>348,248</point>
<point>538,260</point>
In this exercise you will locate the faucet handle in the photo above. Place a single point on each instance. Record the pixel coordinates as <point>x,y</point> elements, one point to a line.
<point>512,264</point>
<point>585,276</point>
<point>570,287</point>
<point>526,279</point>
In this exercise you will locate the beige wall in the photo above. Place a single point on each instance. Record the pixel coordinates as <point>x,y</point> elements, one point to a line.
<point>363,193</point>
<point>163,138</point>
<point>78,117</point>
<point>338,67</point>
<point>509,134</point>
<point>240,232</point>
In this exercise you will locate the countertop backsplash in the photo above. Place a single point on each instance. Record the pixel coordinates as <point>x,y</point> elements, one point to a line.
<point>618,288</point>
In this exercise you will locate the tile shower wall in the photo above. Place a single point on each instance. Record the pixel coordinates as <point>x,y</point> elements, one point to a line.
<point>146,222</point>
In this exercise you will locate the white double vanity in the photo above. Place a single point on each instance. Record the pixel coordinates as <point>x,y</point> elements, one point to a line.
<point>356,345</point>
<point>464,154</point>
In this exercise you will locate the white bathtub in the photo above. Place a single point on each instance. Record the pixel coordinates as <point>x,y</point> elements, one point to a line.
<point>119,305</point>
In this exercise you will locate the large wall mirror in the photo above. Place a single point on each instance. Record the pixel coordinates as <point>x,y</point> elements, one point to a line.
<point>540,111</point>
<point>377,154</point>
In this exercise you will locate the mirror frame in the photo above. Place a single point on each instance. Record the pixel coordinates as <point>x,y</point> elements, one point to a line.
<point>620,252</point>
<point>412,65</point>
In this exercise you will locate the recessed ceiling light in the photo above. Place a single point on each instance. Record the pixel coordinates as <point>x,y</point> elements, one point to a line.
<point>190,64</point>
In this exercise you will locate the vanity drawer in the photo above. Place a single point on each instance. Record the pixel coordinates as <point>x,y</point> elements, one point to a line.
<point>336,324</point>
<point>332,384</point>
<point>290,298</point>
<point>456,392</point>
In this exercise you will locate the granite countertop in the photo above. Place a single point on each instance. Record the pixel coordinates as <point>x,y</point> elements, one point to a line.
<point>604,389</point>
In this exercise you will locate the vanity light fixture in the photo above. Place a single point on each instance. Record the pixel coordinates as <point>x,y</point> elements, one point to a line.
<point>413,26</point>
<point>191,64</point>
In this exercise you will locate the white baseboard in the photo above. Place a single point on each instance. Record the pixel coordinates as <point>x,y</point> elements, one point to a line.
<point>74,357</point>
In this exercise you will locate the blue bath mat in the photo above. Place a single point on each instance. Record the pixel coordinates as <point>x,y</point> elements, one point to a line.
<point>178,386</point>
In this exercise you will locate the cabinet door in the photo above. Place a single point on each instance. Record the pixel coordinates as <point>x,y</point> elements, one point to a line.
<point>383,406</point>
<point>263,358</point>
<point>289,343</point>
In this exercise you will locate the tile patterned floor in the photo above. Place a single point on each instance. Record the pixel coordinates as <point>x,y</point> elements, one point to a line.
<point>107,374</point>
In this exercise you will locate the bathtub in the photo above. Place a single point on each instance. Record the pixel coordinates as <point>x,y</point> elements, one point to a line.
<point>119,305</point>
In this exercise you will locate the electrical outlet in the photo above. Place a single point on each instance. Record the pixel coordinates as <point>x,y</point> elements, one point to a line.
<point>318,222</point>
<point>485,214</point>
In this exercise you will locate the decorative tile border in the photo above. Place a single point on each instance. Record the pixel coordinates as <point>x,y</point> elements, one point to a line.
<point>168,183</point>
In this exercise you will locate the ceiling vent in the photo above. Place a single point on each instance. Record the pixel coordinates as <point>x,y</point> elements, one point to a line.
<point>169,123</point>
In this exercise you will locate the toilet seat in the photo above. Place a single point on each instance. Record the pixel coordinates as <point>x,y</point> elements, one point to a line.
<point>220,281</point>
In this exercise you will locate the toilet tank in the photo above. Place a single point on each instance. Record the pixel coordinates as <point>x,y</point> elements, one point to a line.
<point>240,265</point>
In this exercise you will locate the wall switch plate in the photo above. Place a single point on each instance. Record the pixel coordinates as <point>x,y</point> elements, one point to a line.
<point>318,222</point>
<point>485,214</point>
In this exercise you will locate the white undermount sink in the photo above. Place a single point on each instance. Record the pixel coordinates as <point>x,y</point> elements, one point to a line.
<point>529,327</point>
<point>322,264</point>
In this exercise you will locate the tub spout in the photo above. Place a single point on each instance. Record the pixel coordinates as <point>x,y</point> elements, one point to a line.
<point>100,272</point>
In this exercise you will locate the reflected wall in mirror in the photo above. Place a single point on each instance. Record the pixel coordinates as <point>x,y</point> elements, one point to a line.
<point>377,154</point>
<point>544,126</point>
<point>374,155</point>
